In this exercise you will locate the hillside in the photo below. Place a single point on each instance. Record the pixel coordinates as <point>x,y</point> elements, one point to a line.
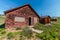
<point>2,19</point>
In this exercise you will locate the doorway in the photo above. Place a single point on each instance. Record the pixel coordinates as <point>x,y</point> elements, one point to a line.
<point>29,21</point>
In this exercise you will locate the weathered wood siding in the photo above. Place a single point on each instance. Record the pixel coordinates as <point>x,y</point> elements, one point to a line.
<point>25,12</point>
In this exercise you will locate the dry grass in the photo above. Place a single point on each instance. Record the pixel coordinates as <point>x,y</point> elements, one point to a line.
<point>2,19</point>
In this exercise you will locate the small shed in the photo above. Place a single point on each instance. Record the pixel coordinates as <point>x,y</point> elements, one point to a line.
<point>45,19</point>
<point>21,17</point>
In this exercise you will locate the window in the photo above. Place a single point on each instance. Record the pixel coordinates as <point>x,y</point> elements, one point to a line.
<point>19,19</point>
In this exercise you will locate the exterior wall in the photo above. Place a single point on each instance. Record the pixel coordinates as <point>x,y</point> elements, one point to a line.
<point>25,12</point>
<point>47,20</point>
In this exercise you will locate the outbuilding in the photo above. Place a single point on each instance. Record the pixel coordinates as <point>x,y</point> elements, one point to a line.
<point>21,17</point>
<point>45,19</point>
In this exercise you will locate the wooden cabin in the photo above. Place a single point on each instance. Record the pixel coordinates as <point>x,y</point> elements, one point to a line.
<point>21,16</point>
<point>45,19</point>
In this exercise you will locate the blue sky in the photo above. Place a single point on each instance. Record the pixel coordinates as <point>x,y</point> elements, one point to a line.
<point>42,7</point>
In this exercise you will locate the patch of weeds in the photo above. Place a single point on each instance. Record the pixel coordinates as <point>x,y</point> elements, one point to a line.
<point>27,32</point>
<point>38,26</point>
<point>10,35</point>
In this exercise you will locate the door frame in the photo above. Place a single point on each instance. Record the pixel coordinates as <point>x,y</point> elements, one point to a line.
<point>29,21</point>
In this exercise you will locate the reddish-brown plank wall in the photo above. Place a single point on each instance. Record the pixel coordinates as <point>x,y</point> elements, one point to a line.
<point>25,12</point>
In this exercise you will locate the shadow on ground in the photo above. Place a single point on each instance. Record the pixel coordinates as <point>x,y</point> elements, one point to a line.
<point>2,25</point>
